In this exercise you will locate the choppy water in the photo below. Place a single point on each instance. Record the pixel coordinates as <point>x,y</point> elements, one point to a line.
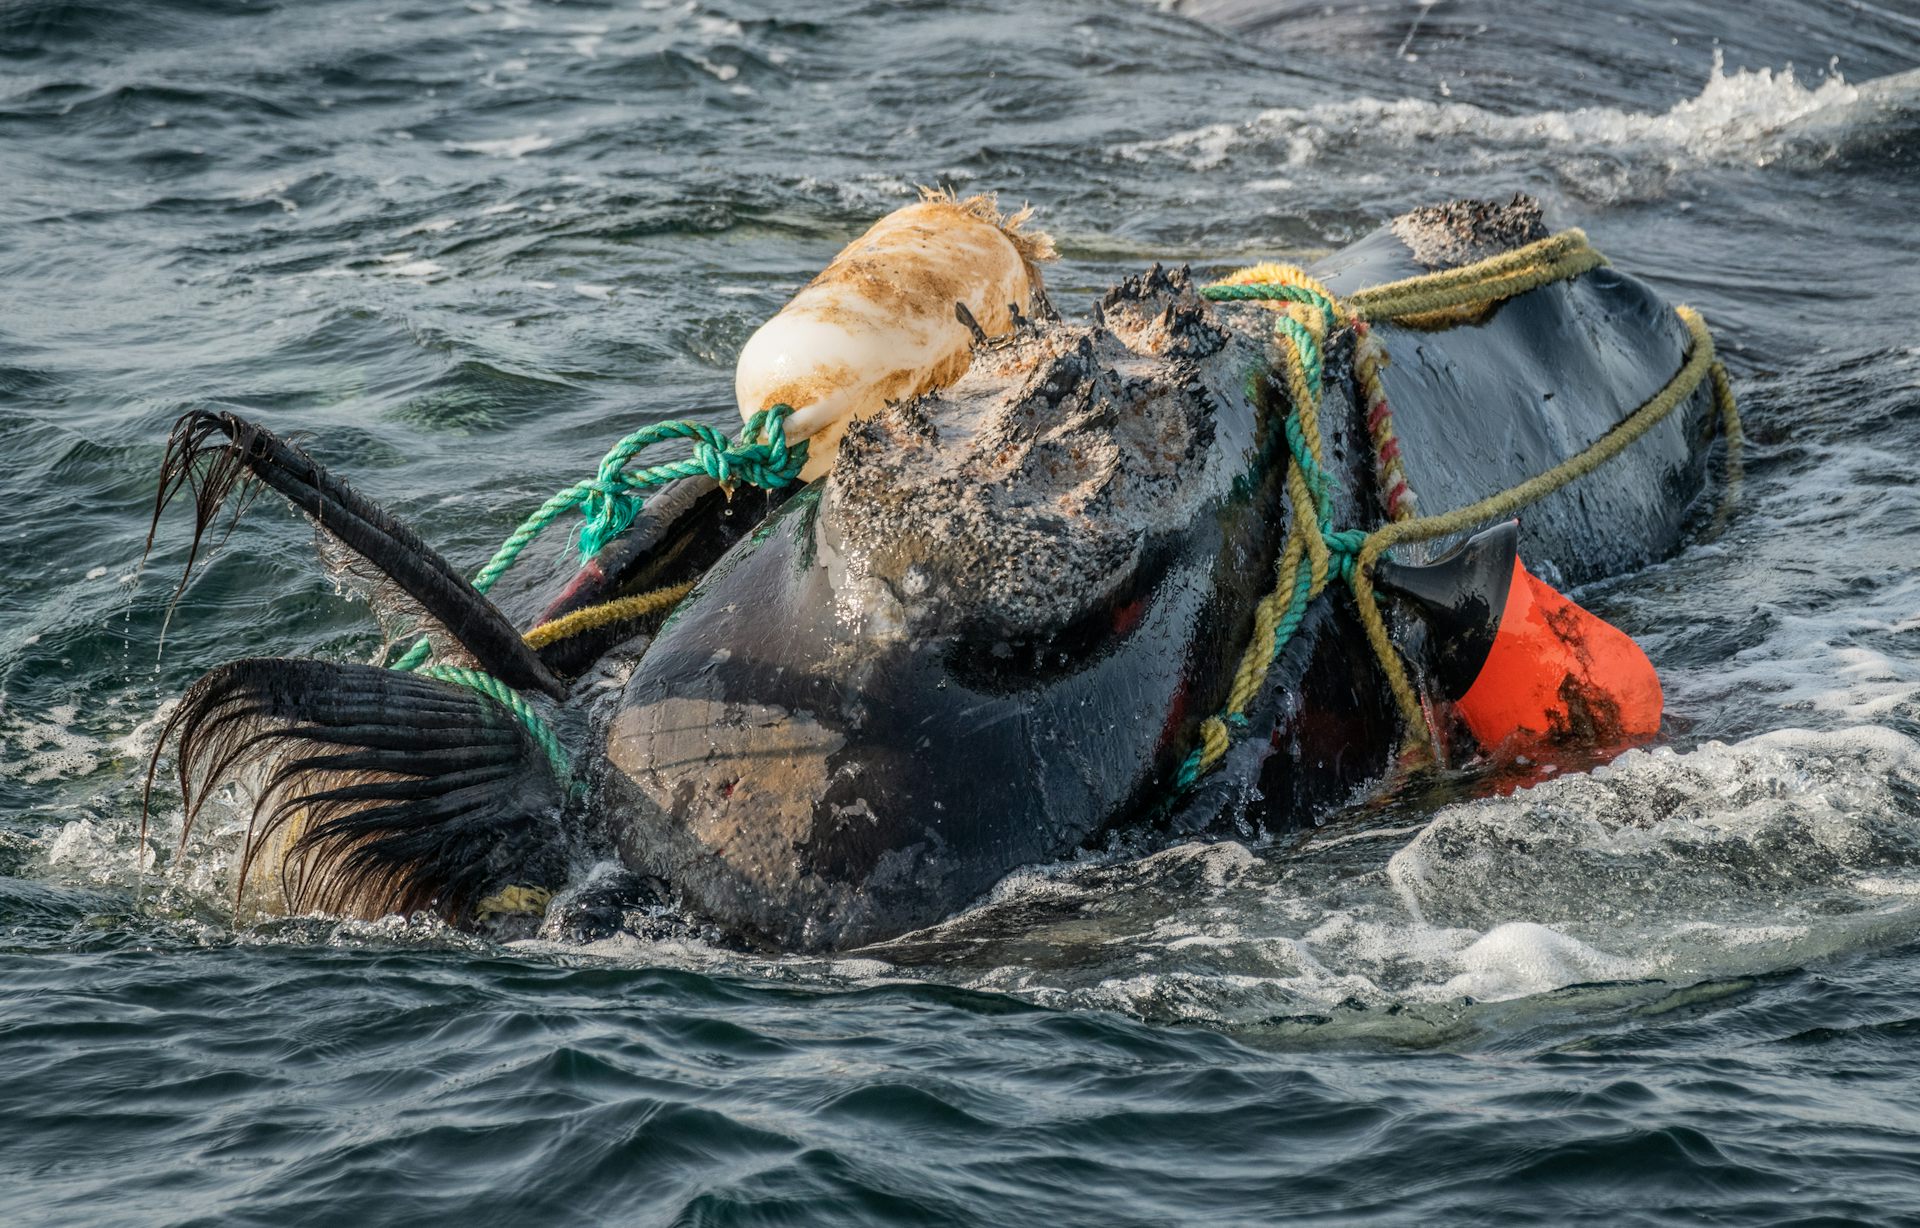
<point>467,245</point>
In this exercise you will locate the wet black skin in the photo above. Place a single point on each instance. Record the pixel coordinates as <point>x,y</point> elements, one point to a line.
<point>986,641</point>
<point>810,785</point>
<point>1478,408</point>
<point>810,789</point>
<point>683,529</point>
<point>1483,407</point>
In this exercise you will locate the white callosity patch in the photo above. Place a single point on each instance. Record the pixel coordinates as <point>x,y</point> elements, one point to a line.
<point>883,322</point>
<point>1032,486</point>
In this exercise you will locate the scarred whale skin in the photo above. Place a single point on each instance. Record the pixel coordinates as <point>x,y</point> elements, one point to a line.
<point>986,639</point>
<point>989,636</point>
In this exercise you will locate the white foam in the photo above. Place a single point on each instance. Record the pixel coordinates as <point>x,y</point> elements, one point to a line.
<point>41,751</point>
<point>506,147</point>
<point>1748,116</point>
<point>1843,649</point>
<point>1520,958</point>
<point>1664,867</point>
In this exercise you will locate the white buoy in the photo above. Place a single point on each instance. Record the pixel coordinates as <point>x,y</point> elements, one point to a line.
<point>879,324</point>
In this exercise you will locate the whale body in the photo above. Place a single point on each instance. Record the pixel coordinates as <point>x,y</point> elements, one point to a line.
<point>987,637</point>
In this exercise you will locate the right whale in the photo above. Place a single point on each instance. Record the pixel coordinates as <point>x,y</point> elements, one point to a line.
<point>990,635</point>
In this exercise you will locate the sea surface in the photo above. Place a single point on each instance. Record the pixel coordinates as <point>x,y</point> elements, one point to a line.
<point>465,246</point>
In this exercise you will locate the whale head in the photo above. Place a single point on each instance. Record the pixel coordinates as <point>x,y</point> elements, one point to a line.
<point>981,640</point>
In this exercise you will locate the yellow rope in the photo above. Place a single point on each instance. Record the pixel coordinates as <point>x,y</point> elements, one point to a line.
<point>513,901</point>
<point>618,610</point>
<point>1270,274</point>
<point>1729,426</point>
<point>1304,544</point>
<point>1413,299</point>
<point>1552,259</point>
<point>1557,258</point>
<point>1699,362</point>
<point>1369,360</point>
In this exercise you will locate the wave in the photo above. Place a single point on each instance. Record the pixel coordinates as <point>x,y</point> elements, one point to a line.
<point>1662,869</point>
<point>1747,117</point>
<point>1658,872</point>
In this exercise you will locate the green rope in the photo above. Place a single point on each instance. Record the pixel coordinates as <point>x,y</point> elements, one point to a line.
<point>416,656</point>
<point>1350,554</point>
<point>1272,292</point>
<point>1309,351</point>
<point>612,497</point>
<point>609,501</point>
<point>510,699</point>
<point>1342,545</point>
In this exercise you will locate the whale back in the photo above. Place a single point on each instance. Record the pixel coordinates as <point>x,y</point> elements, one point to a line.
<point>1482,404</point>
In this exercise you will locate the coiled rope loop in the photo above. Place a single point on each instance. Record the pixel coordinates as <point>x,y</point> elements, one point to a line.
<point>613,496</point>
<point>1315,551</point>
<point>609,502</point>
<point>761,457</point>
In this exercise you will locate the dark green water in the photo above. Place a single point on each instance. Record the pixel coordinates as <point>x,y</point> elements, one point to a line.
<point>466,246</point>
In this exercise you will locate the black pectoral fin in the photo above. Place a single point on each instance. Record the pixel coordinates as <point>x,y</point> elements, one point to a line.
<point>378,791</point>
<point>213,455</point>
<point>1461,597</point>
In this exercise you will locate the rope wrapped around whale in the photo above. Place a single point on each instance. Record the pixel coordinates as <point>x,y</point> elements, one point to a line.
<point>609,501</point>
<point>1308,311</point>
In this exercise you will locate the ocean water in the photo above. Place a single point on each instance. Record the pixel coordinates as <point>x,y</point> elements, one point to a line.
<point>465,246</point>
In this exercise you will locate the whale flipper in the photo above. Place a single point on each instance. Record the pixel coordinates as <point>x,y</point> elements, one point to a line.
<point>379,791</point>
<point>214,454</point>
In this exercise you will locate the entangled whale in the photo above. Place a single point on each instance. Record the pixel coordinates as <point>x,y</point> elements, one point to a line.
<point>1121,574</point>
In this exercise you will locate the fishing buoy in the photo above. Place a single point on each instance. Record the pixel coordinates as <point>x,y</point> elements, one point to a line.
<point>1525,666</point>
<point>880,324</point>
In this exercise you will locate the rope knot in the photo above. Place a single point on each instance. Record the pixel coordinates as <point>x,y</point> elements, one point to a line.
<point>613,497</point>
<point>1343,551</point>
<point>608,508</point>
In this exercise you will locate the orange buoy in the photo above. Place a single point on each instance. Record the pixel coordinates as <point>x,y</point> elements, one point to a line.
<point>1524,666</point>
<point>1558,673</point>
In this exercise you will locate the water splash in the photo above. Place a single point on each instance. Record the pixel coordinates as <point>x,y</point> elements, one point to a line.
<point>1747,117</point>
<point>42,751</point>
<point>1666,867</point>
